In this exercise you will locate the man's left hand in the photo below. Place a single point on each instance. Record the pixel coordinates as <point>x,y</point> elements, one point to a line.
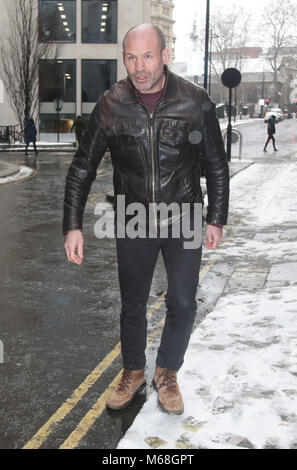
<point>214,236</point>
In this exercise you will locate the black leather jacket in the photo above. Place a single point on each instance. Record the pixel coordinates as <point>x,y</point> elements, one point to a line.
<point>156,157</point>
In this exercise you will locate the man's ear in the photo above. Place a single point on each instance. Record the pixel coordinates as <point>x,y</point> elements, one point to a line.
<point>165,55</point>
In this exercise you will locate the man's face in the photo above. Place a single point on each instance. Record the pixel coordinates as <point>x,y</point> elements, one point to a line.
<point>144,61</point>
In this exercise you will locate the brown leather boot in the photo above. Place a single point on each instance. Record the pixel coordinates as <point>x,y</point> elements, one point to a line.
<point>169,396</point>
<point>132,382</point>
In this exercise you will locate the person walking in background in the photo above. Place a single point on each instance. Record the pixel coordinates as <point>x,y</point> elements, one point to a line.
<point>271,132</point>
<point>79,128</point>
<point>30,135</point>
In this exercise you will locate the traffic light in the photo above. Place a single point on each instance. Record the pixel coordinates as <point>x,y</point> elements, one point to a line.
<point>267,101</point>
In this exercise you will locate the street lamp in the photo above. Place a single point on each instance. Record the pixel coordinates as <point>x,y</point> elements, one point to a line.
<point>231,78</point>
<point>206,44</point>
<point>212,35</point>
<point>58,105</point>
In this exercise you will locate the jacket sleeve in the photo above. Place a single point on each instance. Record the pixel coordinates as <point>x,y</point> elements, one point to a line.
<point>216,165</point>
<point>82,172</point>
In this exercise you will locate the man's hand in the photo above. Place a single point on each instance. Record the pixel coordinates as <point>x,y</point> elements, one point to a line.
<point>214,235</point>
<point>74,246</point>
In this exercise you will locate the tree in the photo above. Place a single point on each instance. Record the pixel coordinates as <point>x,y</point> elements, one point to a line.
<point>20,54</point>
<point>278,25</point>
<point>229,31</point>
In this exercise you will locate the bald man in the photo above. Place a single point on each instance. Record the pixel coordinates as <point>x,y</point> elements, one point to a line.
<point>156,126</point>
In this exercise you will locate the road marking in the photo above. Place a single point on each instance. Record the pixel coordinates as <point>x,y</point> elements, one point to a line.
<point>99,406</point>
<point>92,198</point>
<point>44,432</point>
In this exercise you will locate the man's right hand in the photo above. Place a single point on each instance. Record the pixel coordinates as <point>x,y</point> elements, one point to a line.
<point>74,246</point>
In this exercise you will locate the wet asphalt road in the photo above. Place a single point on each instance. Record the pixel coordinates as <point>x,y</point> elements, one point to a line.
<point>60,321</point>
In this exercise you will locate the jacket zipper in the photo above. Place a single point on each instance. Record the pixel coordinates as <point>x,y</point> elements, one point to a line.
<point>153,168</point>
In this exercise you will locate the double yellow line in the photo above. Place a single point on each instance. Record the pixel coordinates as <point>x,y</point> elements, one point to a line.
<point>44,432</point>
<point>96,410</point>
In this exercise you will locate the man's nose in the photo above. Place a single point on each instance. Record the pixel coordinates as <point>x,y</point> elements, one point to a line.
<point>139,64</point>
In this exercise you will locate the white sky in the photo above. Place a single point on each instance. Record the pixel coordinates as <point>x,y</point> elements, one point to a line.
<point>185,11</point>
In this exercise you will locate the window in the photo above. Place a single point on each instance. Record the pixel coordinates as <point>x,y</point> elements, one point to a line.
<point>252,95</point>
<point>166,11</point>
<point>57,80</point>
<point>97,77</point>
<point>99,21</point>
<point>57,21</point>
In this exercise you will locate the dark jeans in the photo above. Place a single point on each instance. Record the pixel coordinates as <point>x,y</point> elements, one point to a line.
<point>270,137</point>
<point>136,262</point>
<point>34,145</point>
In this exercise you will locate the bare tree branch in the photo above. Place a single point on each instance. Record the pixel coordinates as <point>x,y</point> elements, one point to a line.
<point>20,54</point>
<point>279,24</point>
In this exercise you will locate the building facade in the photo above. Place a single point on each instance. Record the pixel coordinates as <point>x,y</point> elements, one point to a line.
<point>162,16</point>
<point>88,37</point>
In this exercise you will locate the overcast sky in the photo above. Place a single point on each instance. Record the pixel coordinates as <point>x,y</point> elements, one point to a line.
<point>185,11</point>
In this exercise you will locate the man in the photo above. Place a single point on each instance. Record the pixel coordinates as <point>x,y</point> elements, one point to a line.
<point>148,122</point>
<point>270,132</point>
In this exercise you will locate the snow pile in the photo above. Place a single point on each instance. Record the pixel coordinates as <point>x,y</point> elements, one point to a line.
<point>239,378</point>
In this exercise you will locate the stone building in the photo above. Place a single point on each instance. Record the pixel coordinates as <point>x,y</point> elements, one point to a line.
<point>162,15</point>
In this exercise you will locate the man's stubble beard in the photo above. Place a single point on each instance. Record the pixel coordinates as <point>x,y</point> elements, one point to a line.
<point>148,87</point>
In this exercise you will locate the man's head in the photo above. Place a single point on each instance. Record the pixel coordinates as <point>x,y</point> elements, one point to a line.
<point>144,55</point>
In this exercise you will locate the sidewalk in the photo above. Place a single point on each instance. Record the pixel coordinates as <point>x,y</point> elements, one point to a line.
<point>239,375</point>
<point>50,146</point>
<point>41,146</point>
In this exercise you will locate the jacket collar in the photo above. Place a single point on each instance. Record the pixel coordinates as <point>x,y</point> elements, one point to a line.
<point>170,92</point>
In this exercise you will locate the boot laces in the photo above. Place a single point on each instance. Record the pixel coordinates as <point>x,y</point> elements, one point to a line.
<point>168,380</point>
<point>125,380</point>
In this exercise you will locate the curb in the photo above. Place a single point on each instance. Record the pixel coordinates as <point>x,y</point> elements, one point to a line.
<point>50,148</point>
<point>8,169</point>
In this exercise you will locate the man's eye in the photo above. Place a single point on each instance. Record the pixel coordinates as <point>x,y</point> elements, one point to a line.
<point>130,57</point>
<point>148,56</point>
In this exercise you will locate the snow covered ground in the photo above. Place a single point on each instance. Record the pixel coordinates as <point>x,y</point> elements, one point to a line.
<point>239,378</point>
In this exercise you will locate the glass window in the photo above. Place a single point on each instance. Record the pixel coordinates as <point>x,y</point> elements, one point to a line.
<point>57,21</point>
<point>99,21</point>
<point>97,77</point>
<point>57,79</point>
<point>49,124</point>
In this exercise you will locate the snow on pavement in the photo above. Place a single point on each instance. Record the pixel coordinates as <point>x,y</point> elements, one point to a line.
<point>23,173</point>
<point>239,377</point>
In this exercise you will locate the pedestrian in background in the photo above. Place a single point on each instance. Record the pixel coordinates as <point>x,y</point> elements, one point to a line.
<point>271,132</point>
<point>79,128</point>
<point>30,135</point>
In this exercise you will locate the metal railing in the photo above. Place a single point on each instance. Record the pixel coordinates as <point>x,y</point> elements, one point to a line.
<point>11,134</point>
